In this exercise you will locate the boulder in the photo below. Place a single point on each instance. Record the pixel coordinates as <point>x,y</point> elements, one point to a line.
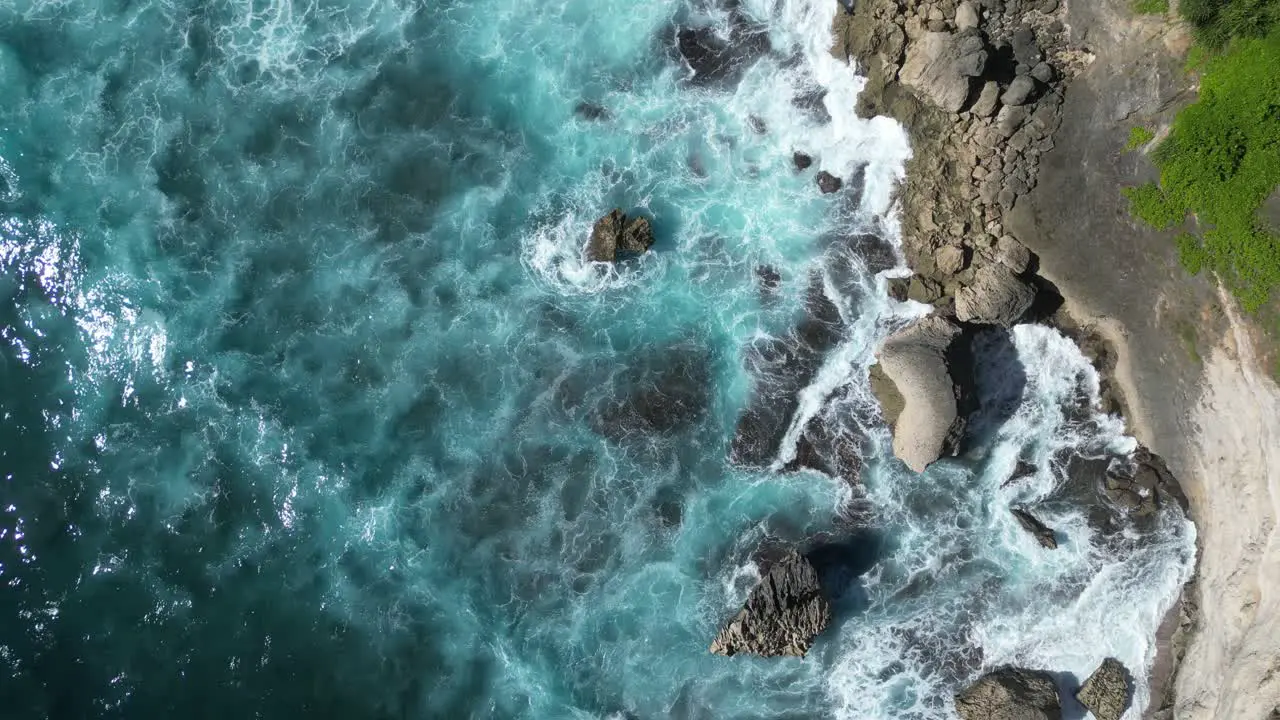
<point>996,297</point>
<point>1042,533</point>
<point>829,183</point>
<point>1019,91</point>
<point>915,361</point>
<point>1106,692</point>
<point>802,161</point>
<point>614,234</point>
<point>971,54</point>
<point>988,100</point>
<point>950,259</point>
<point>1013,254</point>
<point>1025,48</point>
<point>783,614</point>
<point>966,16</point>
<point>1010,694</point>
<point>932,70</point>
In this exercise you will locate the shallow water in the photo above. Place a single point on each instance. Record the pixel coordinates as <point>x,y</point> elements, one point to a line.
<point>311,405</point>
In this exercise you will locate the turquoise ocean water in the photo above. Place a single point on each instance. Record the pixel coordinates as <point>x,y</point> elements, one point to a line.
<point>312,409</point>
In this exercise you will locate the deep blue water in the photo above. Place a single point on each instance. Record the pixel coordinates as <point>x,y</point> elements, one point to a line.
<point>311,407</point>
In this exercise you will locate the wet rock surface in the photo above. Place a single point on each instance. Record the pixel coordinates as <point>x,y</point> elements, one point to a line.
<point>616,237</point>
<point>1011,694</point>
<point>1041,532</point>
<point>1106,692</point>
<point>782,616</point>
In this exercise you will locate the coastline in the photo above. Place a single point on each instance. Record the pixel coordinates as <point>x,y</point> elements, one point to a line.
<point>1177,357</point>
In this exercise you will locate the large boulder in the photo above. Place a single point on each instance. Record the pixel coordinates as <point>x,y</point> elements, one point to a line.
<point>939,67</point>
<point>1106,692</point>
<point>995,297</point>
<point>614,236</point>
<point>783,614</point>
<point>1010,694</point>
<point>915,361</point>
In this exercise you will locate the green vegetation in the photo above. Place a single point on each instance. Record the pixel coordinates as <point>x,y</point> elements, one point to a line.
<point>1222,160</point>
<point>1217,22</point>
<point>1151,7</point>
<point>1138,136</point>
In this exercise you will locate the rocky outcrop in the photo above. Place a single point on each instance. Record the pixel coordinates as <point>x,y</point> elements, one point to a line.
<point>1041,532</point>
<point>782,616</point>
<point>915,361</point>
<point>978,85</point>
<point>828,183</point>
<point>1106,692</point>
<point>615,237</point>
<point>1011,694</point>
<point>995,297</point>
<point>1144,486</point>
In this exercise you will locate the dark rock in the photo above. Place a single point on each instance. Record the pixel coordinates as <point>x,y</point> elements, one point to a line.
<point>1042,533</point>
<point>1048,7</point>
<point>812,102</point>
<point>828,183</point>
<point>757,125</point>
<point>1020,90</point>
<point>899,288</point>
<point>714,60</point>
<point>971,54</point>
<point>1043,72</point>
<point>660,392</point>
<point>1106,692</point>
<point>876,253</point>
<point>614,234</point>
<point>1025,48</point>
<point>1011,694</point>
<point>769,278</point>
<point>592,111</point>
<point>783,614</point>
<point>823,447</point>
<point>801,161</point>
<point>781,367</point>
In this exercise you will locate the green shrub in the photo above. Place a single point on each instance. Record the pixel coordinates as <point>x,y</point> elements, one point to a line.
<point>1151,7</point>
<point>1216,22</point>
<point>1149,203</point>
<point>1138,136</point>
<point>1219,163</point>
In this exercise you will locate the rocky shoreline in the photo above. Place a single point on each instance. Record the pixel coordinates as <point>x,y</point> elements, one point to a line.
<point>980,87</point>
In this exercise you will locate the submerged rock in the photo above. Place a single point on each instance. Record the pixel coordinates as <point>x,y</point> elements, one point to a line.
<point>614,235</point>
<point>714,60</point>
<point>1011,694</point>
<point>915,361</point>
<point>1042,533</point>
<point>588,110</point>
<point>829,183</point>
<point>1106,692</point>
<point>783,614</point>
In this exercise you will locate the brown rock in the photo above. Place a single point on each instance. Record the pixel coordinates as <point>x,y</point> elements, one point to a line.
<point>828,183</point>
<point>1013,254</point>
<point>783,614</point>
<point>950,259</point>
<point>995,297</point>
<point>1011,694</point>
<point>1106,692</point>
<point>1042,533</point>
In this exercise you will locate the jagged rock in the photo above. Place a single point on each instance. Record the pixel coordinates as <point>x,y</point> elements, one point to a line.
<point>1019,91</point>
<point>1011,694</point>
<point>923,290</point>
<point>1013,254</point>
<point>950,259</point>
<point>966,16</point>
<point>1106,692</point>
<point>915,360</point>
<point>899,288</point>
<point>802,161</point>
<point>783,614</point>
<point>829,183</point>
<point>996,297</point>
<point>757,124</point>
<point>614,234</point>
<point>1042,533</point>
<point>891,401</point>
<point>931,70</point>
<point>988,100</point>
